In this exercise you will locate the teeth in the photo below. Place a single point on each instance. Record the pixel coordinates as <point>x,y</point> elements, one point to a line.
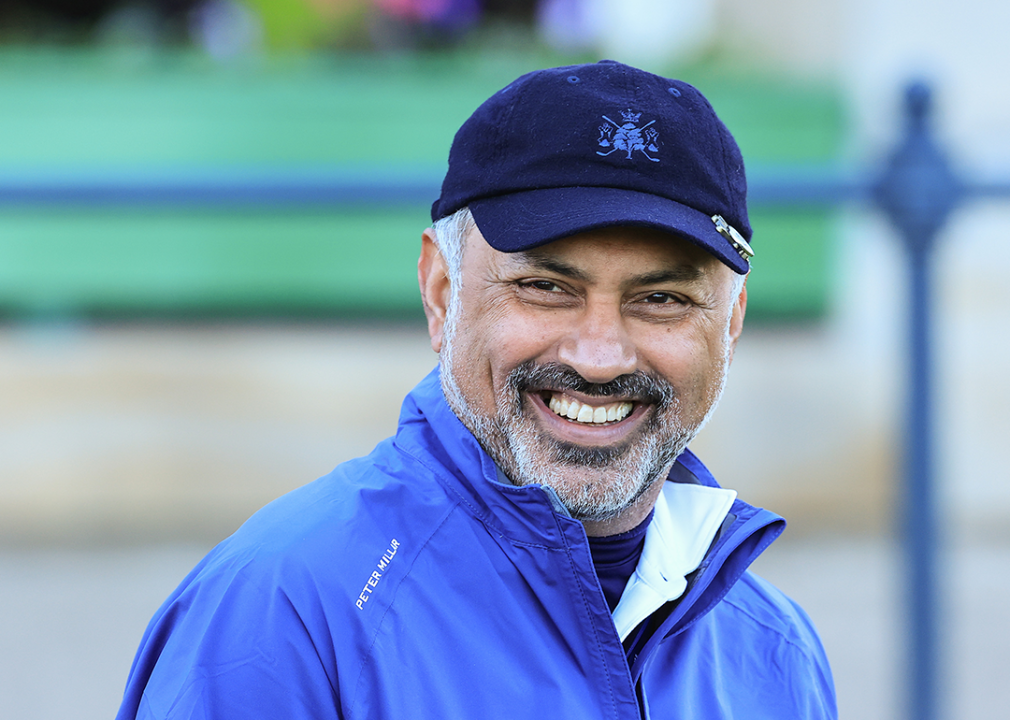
<point>583,413</point>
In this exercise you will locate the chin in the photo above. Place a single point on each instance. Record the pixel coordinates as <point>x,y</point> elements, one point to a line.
<point>588,500</point>
<point>593,483</point>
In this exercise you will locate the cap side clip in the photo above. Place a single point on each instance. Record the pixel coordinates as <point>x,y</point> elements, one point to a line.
<point>735,239</point>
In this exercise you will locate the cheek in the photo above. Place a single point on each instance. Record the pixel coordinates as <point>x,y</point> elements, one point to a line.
<point>488,343</point>
<point>691,362</point>
<point>504,337</point>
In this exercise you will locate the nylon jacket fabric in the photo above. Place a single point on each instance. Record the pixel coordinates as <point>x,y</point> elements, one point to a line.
<point>412,584</point>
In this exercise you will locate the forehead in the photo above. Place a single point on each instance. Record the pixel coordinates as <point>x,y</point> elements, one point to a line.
<point>610,251</point>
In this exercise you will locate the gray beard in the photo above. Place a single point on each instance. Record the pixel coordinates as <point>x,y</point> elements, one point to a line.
<point>594,483</point>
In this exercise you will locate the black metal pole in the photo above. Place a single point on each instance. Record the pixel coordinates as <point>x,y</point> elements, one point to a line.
<point>918,192</point>
<point>918,509</point>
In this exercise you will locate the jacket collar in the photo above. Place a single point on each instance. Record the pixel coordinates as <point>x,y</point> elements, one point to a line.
<point>431,433</point>
<point>686,520</point>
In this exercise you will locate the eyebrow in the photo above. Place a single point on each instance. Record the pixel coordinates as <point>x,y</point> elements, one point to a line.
<point>553,265</point>
<point>685,273</point>
<point>682,273</point>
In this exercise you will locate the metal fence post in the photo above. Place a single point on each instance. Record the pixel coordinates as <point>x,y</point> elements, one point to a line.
<point>918,191</point>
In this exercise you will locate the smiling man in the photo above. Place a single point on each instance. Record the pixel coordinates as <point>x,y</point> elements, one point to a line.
<point>587,364</point>
<point>536,539</point>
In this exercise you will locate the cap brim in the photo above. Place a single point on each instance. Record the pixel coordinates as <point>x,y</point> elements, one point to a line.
<point>523,220</point>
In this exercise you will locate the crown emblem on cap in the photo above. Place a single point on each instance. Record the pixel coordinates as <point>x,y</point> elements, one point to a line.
<point>735,238</point>
<point>628,136</point>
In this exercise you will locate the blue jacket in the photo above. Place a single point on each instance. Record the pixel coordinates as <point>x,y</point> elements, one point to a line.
<point>412,584</point>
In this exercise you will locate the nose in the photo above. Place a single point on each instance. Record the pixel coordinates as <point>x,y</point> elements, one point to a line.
<point>597,345</point>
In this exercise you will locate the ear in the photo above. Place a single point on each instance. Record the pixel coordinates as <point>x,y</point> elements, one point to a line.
<point>433,279</point>
<point>736,320</point>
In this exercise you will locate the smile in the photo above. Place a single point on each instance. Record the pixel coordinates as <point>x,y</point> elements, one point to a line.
<point>589,414</point>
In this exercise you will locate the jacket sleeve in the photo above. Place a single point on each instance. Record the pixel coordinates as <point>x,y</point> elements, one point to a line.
<point>233,645</point>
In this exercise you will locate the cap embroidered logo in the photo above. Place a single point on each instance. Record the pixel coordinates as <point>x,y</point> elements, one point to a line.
<point>628,136</point>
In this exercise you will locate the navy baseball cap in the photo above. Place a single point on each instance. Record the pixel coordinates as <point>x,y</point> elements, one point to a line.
<point>571,149</point>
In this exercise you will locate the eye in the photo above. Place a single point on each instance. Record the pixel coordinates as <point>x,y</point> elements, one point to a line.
<point>542,285</point>
<point>660,298</point>
<point>546,293</point>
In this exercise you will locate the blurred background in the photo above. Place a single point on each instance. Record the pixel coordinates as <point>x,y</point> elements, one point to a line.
<point>210,212</point>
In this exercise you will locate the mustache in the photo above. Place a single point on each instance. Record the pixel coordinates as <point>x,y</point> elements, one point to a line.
<point>637,386</point>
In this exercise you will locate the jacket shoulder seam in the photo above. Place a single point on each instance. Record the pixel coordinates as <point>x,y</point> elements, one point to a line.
<point>777,631</point>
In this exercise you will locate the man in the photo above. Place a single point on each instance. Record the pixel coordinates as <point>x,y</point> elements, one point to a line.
<point>535,540</point>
